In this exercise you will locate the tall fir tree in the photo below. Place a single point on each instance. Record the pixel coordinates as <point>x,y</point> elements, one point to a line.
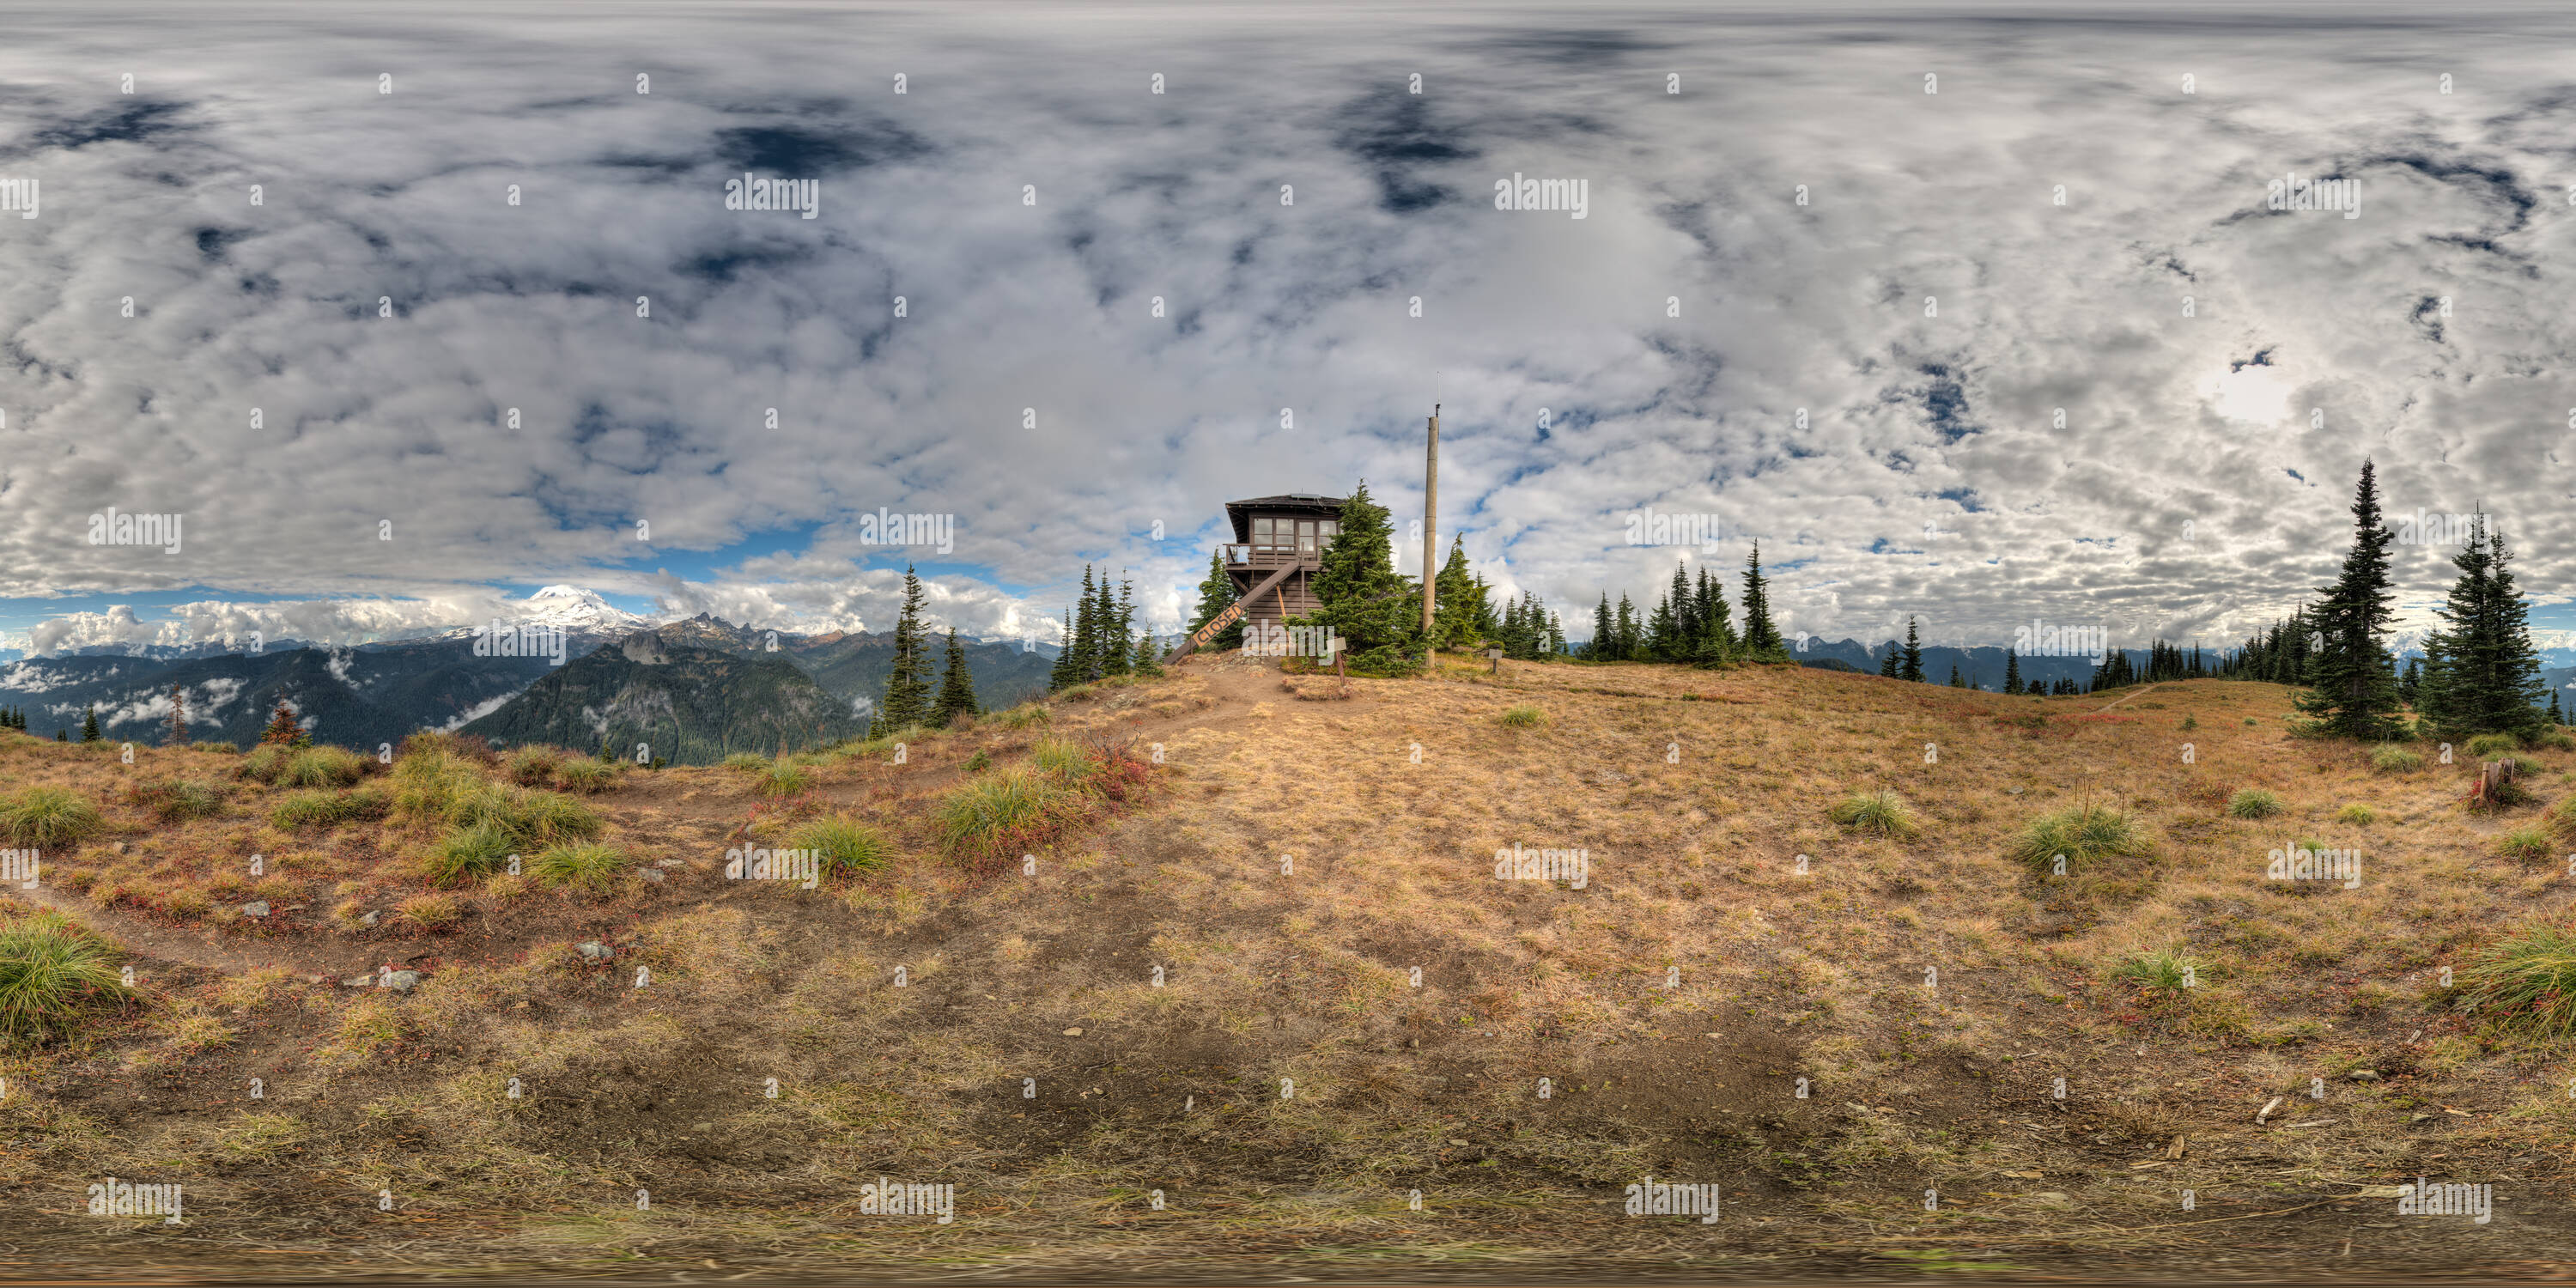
<point>1761,638</point>
<point>1912,670</point>
<point>956,689</point>
<point>2352,684</point>
<point>2482,674</point>
<point>2410,685</point>
<point>1060,676</point>
<point>907,691</point>
<point>1361,597</point>
<point>1216,594</point>
<point>2012,672</point>
<point>178,716</point>
<point>1605,635</point>
<point>1119,657</point>
<point>1459,611</point>
<point>89,724</point>
<point>1887,666</point>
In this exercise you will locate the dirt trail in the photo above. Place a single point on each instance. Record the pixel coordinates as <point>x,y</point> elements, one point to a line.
<point>2137,693</point>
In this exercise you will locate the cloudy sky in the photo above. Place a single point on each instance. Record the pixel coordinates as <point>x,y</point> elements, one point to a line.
<point>2006,212</point>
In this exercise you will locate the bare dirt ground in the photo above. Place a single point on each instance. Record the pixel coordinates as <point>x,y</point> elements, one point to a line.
<point>1191,1045</point>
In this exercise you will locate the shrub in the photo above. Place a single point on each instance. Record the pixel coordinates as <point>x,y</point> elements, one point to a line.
<point>2253,802</point>
<point>175,802</point>
<point>48,817</point>
<point>54,974</point>
<point>1881,811</point>
<point>432,912</point>
<point>1524,716</point>
<point>477,850</point>
<point>2525,843</point>
<point>1002,814</point>
<point>592,868</point>
<point>843,846</point>
<point>2396,760</point>
<point>744,762</point>
<point>322,767</point>
<point>589,777</point>
<point>531,817</point>
<point>225,748</point>
<point>2486,745</point>
<point>782,779</point>
<point>1025,715</point>
<point>2555,739</point>
<point>2362,814</point>
<point>264,762</point>
<point>534,766</point>
<point>2190,722</point>
<point>2082,834</point>
<point>2526,981</point>
<point>2560,819</point>
<point>979,762</point>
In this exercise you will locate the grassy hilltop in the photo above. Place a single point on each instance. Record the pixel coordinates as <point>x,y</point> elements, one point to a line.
<point>1278,854</point>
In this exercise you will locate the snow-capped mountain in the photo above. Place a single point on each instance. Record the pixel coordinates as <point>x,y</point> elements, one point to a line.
<point>577,610</point>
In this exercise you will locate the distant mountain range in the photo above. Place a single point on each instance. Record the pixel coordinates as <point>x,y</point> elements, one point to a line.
<point>696,689</point>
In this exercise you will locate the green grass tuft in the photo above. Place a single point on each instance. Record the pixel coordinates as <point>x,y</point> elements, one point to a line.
<point>782,779</point>
<point>587,776</point>
<point>2525,843</point>
<point>54,975</point>
<point>844,846</point>
<point>2396,760</point>
<point>592,868</point>
<point>1882,811</point>
<point>2486,745</point>
<point>322,767</point>
<point>322,809</point>
<point>2361,814</point>
<point>1524,716</point>
<point>48,817</point>
<point>998,815</point>
<point>2084,835</point>
<point>2526,982</point>
<point>1026,715</point>
<point>744,762</point>
<point>2253,802</point>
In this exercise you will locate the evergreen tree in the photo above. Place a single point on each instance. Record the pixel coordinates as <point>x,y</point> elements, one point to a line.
<point>1631,635</point>
<point>1108,633</point>
<point>2352,685</point>
<point>1149,655</point>
<point>178,717</point>
<point>1060,676</point>
<point>2554,717</point>
<point>1604,638</point>
<point>1887,665</point>
<point>1555,634</point>
<point>1119,655</point>
<point>907,691</point>
<point>62,735</point>
<point>1459,609</point>
<point>1912,670</point>
<point>2482,674</point>
<point>282,728</point>
<point>89,724</point>
<point>1761,638</point>
<point>1955,681</point>
<point>1086,631</point>
<point>957,689</point>
<point>2012,672</point>
<point>2410,686</point>
<point>1216,594</point>
<point>1363,598</point>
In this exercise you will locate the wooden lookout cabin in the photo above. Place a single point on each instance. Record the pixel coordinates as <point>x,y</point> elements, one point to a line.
<point>1278,548</point>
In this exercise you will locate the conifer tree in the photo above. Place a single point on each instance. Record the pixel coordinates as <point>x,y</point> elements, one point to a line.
<point>957,689</point>
<point>2554,717</point>
<point>907,691</point>
<point>2352,685</point>
<point>1630,633</point>
<point>1120,654</point>
<point>1761,638</point>
<point>2012,672</point>
<point>1605,638</point>
<point>1216,594</point>
<point>2482,674</point>
<point>282,727</point>
<point>1887,665</point>
<point>178,716</point>
<point>1108,638</point>
<point>1555,634</point>
<point>1912,670</point>
<point>62,735</point>
<point>1149,655</point>
<point>1060,676</point>
<point>89,724</point>
<point>1362,597</point>
<point>2410,686</point>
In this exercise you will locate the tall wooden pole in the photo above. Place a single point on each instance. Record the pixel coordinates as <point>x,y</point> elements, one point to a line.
<point>1430,517</point>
